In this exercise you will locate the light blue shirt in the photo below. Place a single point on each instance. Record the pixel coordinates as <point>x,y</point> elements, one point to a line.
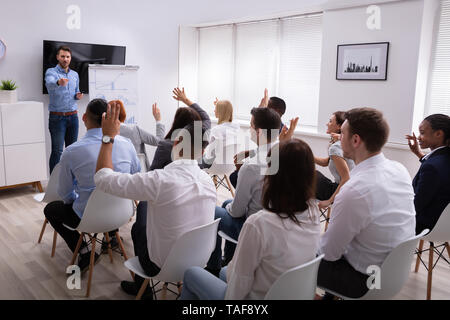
<point>62,98</point>
<point>78,163</point>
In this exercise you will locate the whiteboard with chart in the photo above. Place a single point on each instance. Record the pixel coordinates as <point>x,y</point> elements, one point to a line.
<point>114,82</point>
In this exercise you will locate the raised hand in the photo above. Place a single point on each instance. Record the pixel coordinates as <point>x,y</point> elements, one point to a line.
<point>286,133</point>
<point>414,145</point>
<point>110,119</point>
<point>181,96</point>
<point>156,112</point>
<point>215,101</point>
<point>63,82</point>
<point>265,100</point>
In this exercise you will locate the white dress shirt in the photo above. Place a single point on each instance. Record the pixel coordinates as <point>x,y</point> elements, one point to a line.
<point>267,247</point>
<point>180,197</point>
<point>372,213</point>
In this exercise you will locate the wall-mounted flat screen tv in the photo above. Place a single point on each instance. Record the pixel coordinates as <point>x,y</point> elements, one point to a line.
<point>83,54</point>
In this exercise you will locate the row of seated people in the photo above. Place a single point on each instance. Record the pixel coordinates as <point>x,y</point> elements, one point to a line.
<point>274,215</point>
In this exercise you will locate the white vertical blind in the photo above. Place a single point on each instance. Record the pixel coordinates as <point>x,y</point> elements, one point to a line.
<point>237,62</point>
<point>439,94</point>
<point>256,64</point>
<point>300,57</point>
<point>215,65</point>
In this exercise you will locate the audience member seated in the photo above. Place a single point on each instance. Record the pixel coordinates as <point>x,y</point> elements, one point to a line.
<point>76,181</point>
<point>183,117</point>
<point>283,235</point>
<point>372,213</point>
<point>432,182</point>
<point>273,103</point>
<point>180,197</point>
<point>339,166</point>
<point>264,132</point>
<point>225,131</point>
<point>138,136</point>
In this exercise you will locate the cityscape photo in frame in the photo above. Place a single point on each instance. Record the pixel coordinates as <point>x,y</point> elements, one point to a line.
<point>364,61</point>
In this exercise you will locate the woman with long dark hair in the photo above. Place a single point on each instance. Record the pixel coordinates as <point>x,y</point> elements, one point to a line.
<point>283,235</point>
<point>338,165</point>
<point>183,117</point>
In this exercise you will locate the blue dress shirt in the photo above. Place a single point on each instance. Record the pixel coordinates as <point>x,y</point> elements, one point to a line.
<point>78,163</point>
<point>62,98</point>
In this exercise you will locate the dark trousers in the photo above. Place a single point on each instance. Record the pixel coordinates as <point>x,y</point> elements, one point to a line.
<point>232,227</point>
<point>340,277</point>
<point>139,237</point>
<point>58,213</point>
<point>324,187</point>
<point>63,130</point>
<point>233,178</point>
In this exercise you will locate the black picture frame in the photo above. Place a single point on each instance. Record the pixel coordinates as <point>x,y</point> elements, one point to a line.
<point>362,61</point>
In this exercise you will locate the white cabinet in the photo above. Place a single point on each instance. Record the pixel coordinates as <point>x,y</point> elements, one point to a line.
<point>22,143</point>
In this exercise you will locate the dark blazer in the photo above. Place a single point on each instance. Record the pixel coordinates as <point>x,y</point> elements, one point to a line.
<point>163,153</point>
<point>432,188</point>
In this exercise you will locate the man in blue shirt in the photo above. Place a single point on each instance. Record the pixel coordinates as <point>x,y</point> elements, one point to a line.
<point>76,181</point>
<point>63,89</point>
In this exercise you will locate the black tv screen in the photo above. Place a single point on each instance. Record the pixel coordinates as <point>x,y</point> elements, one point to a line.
<point>83,54</point>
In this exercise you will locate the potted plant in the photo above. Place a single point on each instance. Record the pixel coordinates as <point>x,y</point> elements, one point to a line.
<point>8,92</point>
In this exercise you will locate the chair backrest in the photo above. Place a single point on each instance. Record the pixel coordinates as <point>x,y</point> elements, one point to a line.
<point>441,231</point>
<point>395,270</point>
<point>192,249</point>
<point>51,193</point>
<point>298,283</point>
<point>224,158</point>
<point>105,212</point>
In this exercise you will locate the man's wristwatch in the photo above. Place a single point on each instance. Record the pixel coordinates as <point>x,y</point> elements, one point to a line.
<point>107,139</point>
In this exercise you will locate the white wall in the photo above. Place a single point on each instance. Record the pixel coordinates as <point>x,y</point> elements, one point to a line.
<point>148,28</point>
<point>401,24</point>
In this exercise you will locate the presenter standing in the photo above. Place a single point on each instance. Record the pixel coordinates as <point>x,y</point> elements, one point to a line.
<point>63,89</point>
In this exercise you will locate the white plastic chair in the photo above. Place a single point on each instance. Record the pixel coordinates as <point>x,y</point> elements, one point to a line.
<point>440,233</point>
<point>223,164</point>
<point>394,271</point>
<point>298,283</point>
<point>226,237</point>
<point>103,213</point>
<point>192,249</point>
<point>50,195</point>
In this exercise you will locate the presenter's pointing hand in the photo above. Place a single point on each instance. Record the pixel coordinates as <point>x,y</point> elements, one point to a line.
<point>63,82</point>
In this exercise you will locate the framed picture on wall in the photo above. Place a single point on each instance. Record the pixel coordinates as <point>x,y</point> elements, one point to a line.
<point>363,61</point>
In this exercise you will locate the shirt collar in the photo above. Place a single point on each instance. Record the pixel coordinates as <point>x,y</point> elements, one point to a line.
<point>94,132</point>
<point>182,162</point>
<point>425,157</point>
<point>61,69</point>
<point>368,162</point>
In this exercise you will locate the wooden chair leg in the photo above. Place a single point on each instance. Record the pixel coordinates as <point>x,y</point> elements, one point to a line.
<point>109,246</point>
<point>75,253</point>
<point>215,181</point>
<point>39,186</point>
<point>91,265</point>
<point>448,248</point>
<point>123,251</point>
<point>430,270</point>
<point>229,185</point>
<point>180,287</point>
<point>419,255</point>
<point>328,218</point>
<point>55,236</point>
<point>164,291</point>
<point>142,289</point>
<point>42,230</point>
